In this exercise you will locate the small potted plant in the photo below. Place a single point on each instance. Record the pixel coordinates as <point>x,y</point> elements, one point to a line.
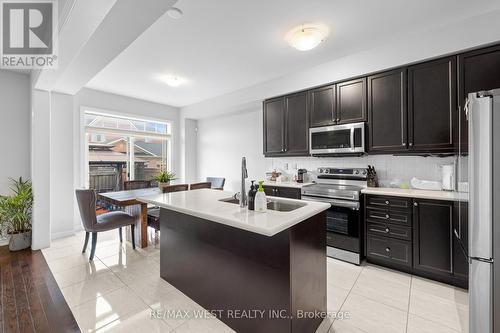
<point>164,178</point>
<point>15,214</point>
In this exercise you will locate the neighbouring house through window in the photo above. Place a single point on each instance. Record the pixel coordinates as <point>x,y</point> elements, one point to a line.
<point>120,149</point>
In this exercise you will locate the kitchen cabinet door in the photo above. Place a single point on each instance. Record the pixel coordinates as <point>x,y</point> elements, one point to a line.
<point>387,112</point>
<point>351,101</point>
<point>433,237</point>
<point>322,110</point>
<point>460,224</point>
<point>296,124</point>
<point>274,126</point>
<point>478,70</point>
<point>432,106</point>
<point>270,191</point>
<point>288,192</point>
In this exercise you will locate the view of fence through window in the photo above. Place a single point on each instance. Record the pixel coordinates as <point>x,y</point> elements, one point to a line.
<point>121,149</point>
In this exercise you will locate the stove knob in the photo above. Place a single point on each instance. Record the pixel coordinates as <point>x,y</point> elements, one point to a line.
<point>364,172</point>
<point>356,172</point>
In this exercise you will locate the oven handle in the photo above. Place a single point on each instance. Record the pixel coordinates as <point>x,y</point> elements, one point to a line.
<point>334,202</point>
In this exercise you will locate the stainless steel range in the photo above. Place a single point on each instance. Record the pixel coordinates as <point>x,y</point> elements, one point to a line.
<point>341,188</point>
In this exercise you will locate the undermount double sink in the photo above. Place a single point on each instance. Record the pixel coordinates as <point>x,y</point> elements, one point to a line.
<point>278,206</point>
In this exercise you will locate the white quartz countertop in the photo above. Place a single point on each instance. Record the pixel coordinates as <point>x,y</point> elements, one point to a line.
<point>285,184</point>
<point>414,193</point>
<point>206,204</point>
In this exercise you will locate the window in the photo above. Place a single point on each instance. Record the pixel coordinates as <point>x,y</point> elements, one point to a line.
<point>121,149</point>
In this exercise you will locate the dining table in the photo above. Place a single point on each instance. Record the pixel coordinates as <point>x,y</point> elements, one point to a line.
<point>127,200</point>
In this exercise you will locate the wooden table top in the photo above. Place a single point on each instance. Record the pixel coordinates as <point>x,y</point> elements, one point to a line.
<point>127,198</point>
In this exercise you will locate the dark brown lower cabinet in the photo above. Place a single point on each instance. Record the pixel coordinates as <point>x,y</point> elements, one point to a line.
<point>433,237</point>
<point>284,192</point>
<point>389,250</point>
<point>423,242</point>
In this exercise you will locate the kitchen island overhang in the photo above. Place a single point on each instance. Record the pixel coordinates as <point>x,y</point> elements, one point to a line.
<point>258,272</point>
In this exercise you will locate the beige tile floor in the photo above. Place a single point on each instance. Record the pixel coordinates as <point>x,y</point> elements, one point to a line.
<point>119,289</point>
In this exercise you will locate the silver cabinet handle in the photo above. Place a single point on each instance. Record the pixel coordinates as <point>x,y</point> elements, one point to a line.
<point>387,202</point>
<point>387,230</point>
<point>410,144</point>
<point>415,204</point>
<point>387,216</point>
<point>387,249</point>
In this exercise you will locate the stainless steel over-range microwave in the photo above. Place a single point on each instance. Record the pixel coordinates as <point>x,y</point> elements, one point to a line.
<point>337,139</point>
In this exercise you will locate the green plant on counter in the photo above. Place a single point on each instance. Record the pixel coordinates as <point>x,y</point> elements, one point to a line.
<point>16,210</point>
<point>165,177</point>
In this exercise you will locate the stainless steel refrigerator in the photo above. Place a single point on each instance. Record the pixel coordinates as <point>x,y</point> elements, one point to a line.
<point>483,114</point>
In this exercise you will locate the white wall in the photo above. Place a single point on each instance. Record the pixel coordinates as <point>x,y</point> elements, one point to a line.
<point>223,141</point>
<point>40,168</point>
<point>188,144</point>
<point>15,132</point>
<point>61,165</point>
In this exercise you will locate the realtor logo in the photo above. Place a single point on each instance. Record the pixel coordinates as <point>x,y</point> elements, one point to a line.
<point>29,34</point>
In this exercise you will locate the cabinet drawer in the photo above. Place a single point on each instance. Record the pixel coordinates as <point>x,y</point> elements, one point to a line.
<point>390,230</point>
<point>389,250</point>
<point>389,216</point>
<point>389,202</point>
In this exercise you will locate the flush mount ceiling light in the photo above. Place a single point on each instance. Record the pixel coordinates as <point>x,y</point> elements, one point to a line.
<point>173,80</point>
<point>305,37</point>
<point>174,13</point>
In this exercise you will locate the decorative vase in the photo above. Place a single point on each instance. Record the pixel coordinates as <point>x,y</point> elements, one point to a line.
<point>20,240</point>
<point>161,185</point>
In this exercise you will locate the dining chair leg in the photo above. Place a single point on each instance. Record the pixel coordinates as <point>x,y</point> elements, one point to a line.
<point>87,234</point>
<point>132,227</point>
<point>120,232</point>
<point>94,243</point>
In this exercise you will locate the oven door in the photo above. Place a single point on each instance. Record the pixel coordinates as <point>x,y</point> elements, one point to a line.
<point>343,228</point>
<point>343,223</point>
<point>337,139</point>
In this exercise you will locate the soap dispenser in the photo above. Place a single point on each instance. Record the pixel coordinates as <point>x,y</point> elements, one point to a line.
<point>251,196</point>
<point>260,199</point>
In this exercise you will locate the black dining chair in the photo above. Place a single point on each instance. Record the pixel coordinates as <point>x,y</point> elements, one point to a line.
<point>108,221</point>
<point>197,186</point>
<point>136,184</point>
<point>217,183</point>
<point>154,213</point>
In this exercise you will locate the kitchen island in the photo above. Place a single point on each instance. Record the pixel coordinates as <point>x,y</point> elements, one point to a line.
<point>258,272</point>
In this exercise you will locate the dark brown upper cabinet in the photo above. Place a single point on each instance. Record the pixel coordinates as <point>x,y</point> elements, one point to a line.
<point>387,112</point>
<point>478,70</point>
<point>296,124</point>
<point>323,106</point>
<point>274,126</point>
<point>286,125</point>
<point>433,237</point>
<point>351,101</point>
<point>432,106</point>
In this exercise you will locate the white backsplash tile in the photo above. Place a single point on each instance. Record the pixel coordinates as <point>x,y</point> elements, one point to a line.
<point>388,167</point>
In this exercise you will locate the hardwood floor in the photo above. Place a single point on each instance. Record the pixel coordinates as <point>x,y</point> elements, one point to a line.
<point>31,300</point>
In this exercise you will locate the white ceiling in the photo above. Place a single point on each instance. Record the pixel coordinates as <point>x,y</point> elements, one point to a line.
<point>221,46</point>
